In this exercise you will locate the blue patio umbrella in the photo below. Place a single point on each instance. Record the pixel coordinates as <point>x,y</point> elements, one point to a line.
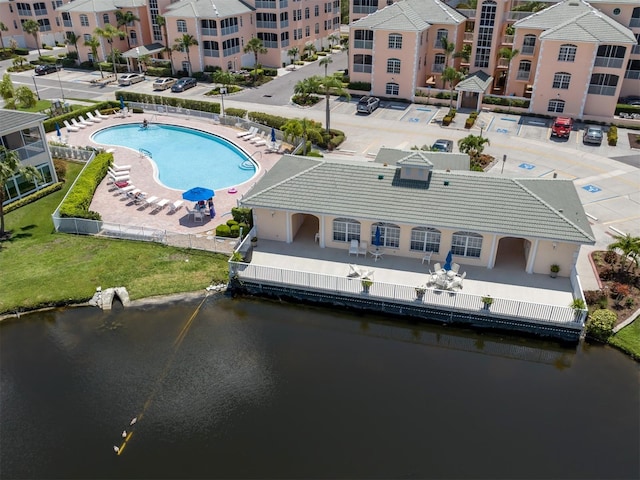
<point>198,193</point>
<point>273,135</point>
<point>58,132</point>
<point>376,239</point>
<point>448,261</point>
<point>121,103</point>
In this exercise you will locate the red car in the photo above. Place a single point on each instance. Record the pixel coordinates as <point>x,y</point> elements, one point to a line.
<point>562,127</point>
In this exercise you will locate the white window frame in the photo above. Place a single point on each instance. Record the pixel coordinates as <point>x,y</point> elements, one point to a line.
<point>389,235</point>
<point>345,230</point>
<point>425,239</point>
<point>467,244</point>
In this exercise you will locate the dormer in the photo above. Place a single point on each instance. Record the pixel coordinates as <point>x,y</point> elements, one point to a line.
<point>415,166</point>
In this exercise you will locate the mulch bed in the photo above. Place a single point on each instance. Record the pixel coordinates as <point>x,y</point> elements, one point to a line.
<point>634,139</point>
<point>620,285</point>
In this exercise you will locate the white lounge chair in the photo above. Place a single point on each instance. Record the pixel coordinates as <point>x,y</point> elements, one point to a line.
<point>69,127</point>
<point>175,206</point>
<point>76,124</point>
<point>150,201</point>
<point>249,133</point>
<point>455,267</point>
<point>253,137</point>
<point>84,121</point>
<point>99,115</point>
<point>160,204</point>
<point>124,190</point>
<point>362,248</point>
<point>259,136</point>
<point>353,248</point>
<point>260,143</point>
<point>120,168</point>
<point>118,178</point>
<point>118,173</point>
<point>93,119</point>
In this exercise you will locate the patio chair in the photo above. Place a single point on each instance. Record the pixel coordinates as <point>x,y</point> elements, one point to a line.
<point>119,168</point>
<point>70,128</point>
<point>99,115</point>
<point>362,248</point>
<point>117,173</point>
<point>261,143</point>
<point>253,137</point>
<point>76,124</point>
<point>354,271</point>
<point>84,121</point>
<point>455,267</point>
<point>118,178</point>
<point>353,248</point>
<point>93,119</point>
<point>249,133</point>
<point>457,281</point>
<point>175,206</point>
<point>427,258</point>
<point>260,136</point>
<point>437,268</point>
<point>198,216</point>
<point>124,190</point>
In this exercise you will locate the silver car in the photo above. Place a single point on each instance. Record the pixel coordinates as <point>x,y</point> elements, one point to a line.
<point>593,135</point>
<point>131,78</point>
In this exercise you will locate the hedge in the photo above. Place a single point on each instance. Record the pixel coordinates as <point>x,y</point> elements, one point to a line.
<point>235,112</point>
<point>600,324</point>
<point>33,197</point>
<point>200,105</point>
<point>76,203</point>
<point>362,86</point>
<point>612,135</point>
<point>267,119</point>
<point>50,123</point>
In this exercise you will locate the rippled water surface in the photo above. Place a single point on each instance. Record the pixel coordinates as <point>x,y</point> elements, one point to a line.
<point>254,389</point>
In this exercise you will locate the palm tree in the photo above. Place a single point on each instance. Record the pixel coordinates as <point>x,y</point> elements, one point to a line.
<point>126,19</point>
<point>452,76</point>
<point>3,28</point>
<point>448,48</point>
<point>72,39</point>
<point>109,32</point>
<point>93,43</point>
<point>333,85</point>
<point>256,47</point>
<point>508,54</point>
<point>334,38</point>
<point>9,166</point>
<point>25,97</point>
<point>473,145</point>
<point>32,28</point>
<point>309,49</point>
<point>183,44</point>
<point>307,86</point>
<point>222,77</point>
<point>305,128</point>
<point>162,22</point>
<point>325,62</point>
<point>630,247</point>
<point>293,53</point>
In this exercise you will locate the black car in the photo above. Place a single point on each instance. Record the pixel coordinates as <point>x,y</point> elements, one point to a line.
<point>46,69</point>
<point>631,100</point>
<point>183,84</point>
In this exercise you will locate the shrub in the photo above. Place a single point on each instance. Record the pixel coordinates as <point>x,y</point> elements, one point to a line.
<point>366,86</point>
<point>610,257</point>
<point>600,324</point>
<point>235,112</point>
<point>468,123</point>
<point>620,289</point>
<point>447,120</point>
<point>223,231</point>
<point>242,215</point>
<point>76,203</point>
<point>267,119</point>
<point>234,230</point>
<point>612,136</point>
<point>593,297</point>
<point>231,222</point>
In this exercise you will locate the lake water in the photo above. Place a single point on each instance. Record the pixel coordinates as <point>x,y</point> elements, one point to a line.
<point>257,389</point>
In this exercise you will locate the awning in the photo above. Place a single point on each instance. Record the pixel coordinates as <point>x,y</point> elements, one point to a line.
<point>477,82</point>
<point>138,52</point>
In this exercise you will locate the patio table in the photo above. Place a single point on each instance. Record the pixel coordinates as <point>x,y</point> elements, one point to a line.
<point>376,254</point>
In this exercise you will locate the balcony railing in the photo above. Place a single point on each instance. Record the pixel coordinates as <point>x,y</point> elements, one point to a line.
<point>437,68</point>
<point>635,49</point>
<point>30,150</point>
<point>284,23</point>
<point>522,75</point>
<point>67,23</point>
<point>527,49</point>
<point>468,12</point>
<point>632,74</point>
<point>211,53</point>
<point>211,32</point>
<point>40,11</point>
<point>634,22</point>
<point>230,30</point>
<point>602,90</point>
<point>608,62</point>
<point>503,63</point>
<point>284,3</point>
<point>468,37</point>
<point>362,68</point>
<point>266,24</point>
<point>518,15</point>
<point>507,40</point>
<point>367,44</point>
<point>366,9</point>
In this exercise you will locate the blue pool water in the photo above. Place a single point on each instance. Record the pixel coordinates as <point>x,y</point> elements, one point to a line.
<point>184,157</point>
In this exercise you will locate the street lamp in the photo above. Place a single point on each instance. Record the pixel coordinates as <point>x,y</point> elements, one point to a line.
<point>223,90</point>
<point>34,84</point>
<point>504,160</point>
<point>59,81</point>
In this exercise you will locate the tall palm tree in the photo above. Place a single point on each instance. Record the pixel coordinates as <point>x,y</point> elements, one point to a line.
<point>293,54</point>
<point>32,28</point>
<point>72,39</point>
<point>305,128</point>
<point>109,33</point>
<point>3,28</point>
<point>452,76</point>
<point>448,48</point>
<point>508,54</point>
<point>183,44</point>
<point>307,86</point>
<point>325,62</point>
<point>9,166</point>
<point>473,145</point>
<point>309,49</point>
<point>126,19</point>
<point>334,39</point>
<point>628,245</point>
<point>93,43</point>
<point>256,47</point>
<point>162,22</point>
<point>331,85</point>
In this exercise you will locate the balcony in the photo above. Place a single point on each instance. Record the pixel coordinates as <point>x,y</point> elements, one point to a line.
<point>40,11</point>
<point>515,16</point>
<point>608,62</point>
<point>366,44</point>
<point>527,49</point>
<point>359,68</point>
<point>503,63</point>
<point>210,32</point>
<point>211,53</point>
<point>523,75</point>
<point>635,50</point>
<point>437,68</point>
<point>507,40</point>
<point>632,74</point>
<point>265,24</point>
<point>634,22</point>
<point>602,90</point>
<point>67,23</point>
<point>364,9</point>
<point>468,12</point>
<point>468,37</point>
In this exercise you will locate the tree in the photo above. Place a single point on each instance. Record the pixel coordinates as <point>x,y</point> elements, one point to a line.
<point>32,28</point>
<point>325,62</point>
<point>508,54</point>
<point>73,39</point>
<point>183,44</point>
<point>125,19</point>
<point>331,85</point>
<point>93,43</point>
<point>6,88</point>
<point>9,166</point>
<point>293,53</point>
<point>222,77</point>
<point>256,47</point>
<point>309,49</point>
<point>162,22</point>
<point>334,39</point>
<point>109,32</point>
<point>448,48</point>
<point>473,145</point>
<point>305,128</point>
<point>452,76</point>
<point>25,97</point>
<point>628,245</point>
<point>3,28</point>
<point>307,86</point>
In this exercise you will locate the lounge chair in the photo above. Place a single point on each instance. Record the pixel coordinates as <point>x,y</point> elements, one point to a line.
<point>99,115</point>
<point>69,127</point>
<point>120,178</point>
<point>125,190</point>
<point>249,133</point>
<point>259,136</point>
<point>455,267</point>
<point>437,268</point>
<point>84,121</point>
<point>362,248</point>
<point>260,143</point>
<point>150,201</point>
<point>93,119</point>
<point>120,168</point>
<point>117,173</point>
<point>353,248</point>
<point>253,137</point>
<point>76,124</point>
<point>354,271</point>
<point>160,204</point>
<point>175,206</point>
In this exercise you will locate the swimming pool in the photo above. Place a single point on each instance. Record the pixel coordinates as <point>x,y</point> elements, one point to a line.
<point>184,157</point>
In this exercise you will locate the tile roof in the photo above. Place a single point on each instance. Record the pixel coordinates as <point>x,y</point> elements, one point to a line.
<point>411,15</point>
<point>91,6</point>
<point>14,120</point>
<point>577,21</point>
<point>476,82</point>
<point>207,8</point>
<point>439,160</point>
<point>459,200</point>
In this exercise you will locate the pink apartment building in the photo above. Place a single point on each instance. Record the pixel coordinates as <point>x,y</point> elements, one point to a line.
<point>573,57</point>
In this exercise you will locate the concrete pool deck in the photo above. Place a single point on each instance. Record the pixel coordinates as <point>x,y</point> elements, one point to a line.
<point>119,209</point>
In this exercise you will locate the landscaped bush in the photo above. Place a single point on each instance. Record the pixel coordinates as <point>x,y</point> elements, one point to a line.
<point>267,119</point>
<point>223,231</point>
<point>200,105</point>
<point>364,86</point>
<point>270,72</point>
<point>231,222</point>
<point>447,120</point>
<point>76,203</point>
<point>234,230</point>
<point>600,324</point>
<point>235,112</point>
<point>33,197</point>
<point>158,72</point>
<point>21,51</point>
<point>612,135</point>
<point>331,140</point>
<point>243,215</point>
<point>512,102</point>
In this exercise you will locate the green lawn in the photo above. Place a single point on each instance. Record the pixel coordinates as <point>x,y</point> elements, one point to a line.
<point>628,339</point>
<point>40,267</point>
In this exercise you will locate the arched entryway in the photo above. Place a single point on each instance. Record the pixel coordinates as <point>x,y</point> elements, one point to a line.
<point>512,253</point>
<point>304,227</point>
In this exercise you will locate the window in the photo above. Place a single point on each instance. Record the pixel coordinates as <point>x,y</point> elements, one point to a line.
<point>425,239</point>
<point>66,19</point>
<point>524,69</point>
<point>133,37</point>
<point>307,13</point>
<point>395,41</point>
<point>346,229</point>
<point>210,48</point>
<point>45,26</point>
<point>555,106</point>
<point>84,20</point>
<point>438,63</point>
<point>363,39</point>
<point>86,37</point>
<point>307,31</point>
<point>105,18</point>
<point>616,11</point>
<point>362,63</point>
<point>229,25</point>
<point>392,89</point>
<point>442,33</point>
<point>182,26</point>
<point>635,18</point>
<point>317,28</point>
<point>633,70</point>
<point>231,46</point>
<point>567,53</point>
<point>284,39</point>
<point>365,6</point>
<point>24,9</point>
<point>389,235</point>
<point>269,40</point>
<point>485,34</point>
<point>297,15</point>
<point>39,8</point>
<point>467,244</point>
<point>603,84</point>
<point>393,65</point>
<point>561,80</point>
<point>528,44</point>
<point>284,19</point>
<point>610,56</point>
<point>266,20</point>
<point>209,27</point>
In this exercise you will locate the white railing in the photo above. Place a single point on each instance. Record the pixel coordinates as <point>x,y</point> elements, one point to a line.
<point>71,153</point>
<point>451,301</point>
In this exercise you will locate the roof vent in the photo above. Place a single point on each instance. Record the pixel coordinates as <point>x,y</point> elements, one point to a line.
<point>574,3</point>
<point>380,177</point>
<point>446,183</point>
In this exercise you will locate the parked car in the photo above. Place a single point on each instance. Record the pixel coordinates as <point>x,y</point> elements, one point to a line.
<point>562,127</point>
<point>593,135</point>
<point>368,104</point>
<point>631,100</point>
<point>131,78</point>
<point>46,69</point>
<point>183,84</point>
<point>164,83</point>
<point>442,145</point>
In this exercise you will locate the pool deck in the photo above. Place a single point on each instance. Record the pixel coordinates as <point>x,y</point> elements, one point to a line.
<point>119,209</point>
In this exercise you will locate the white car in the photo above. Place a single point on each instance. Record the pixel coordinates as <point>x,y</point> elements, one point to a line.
<point>131,78</point>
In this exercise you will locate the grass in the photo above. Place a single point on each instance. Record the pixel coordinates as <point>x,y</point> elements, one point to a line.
<point>628,339</point>
<point>41,267</point>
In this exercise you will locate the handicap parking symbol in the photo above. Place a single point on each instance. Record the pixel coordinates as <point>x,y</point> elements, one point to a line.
<point>502,130</point>
<point>591,188</point>
<point>527,166</point>
<point>414,120</point>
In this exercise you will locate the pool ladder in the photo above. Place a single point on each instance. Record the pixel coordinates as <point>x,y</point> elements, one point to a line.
<point>145,153</point>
